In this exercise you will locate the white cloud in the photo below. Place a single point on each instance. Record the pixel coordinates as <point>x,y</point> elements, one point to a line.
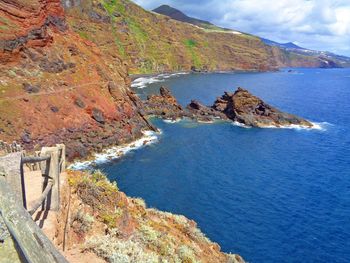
<point>315,24</point>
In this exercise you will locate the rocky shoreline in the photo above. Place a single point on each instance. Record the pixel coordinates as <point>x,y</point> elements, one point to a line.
<point>240,107</point>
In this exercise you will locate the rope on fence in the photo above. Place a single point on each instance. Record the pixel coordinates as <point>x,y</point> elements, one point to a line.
<point>41,199</point>
<point>15,219</point>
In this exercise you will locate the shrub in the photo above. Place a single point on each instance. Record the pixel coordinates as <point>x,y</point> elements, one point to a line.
<point>186,254</point>
<point>116,250</point>
<point>110,219</point>
<point>81,222</point>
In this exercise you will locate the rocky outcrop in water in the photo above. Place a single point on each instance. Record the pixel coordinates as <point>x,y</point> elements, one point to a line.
<point>164,105</point>
<point>240,106</point>
<point>245,108</point>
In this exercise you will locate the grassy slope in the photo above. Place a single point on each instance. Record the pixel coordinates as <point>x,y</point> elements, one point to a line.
<point>117,228</point>
<point>153,43</point>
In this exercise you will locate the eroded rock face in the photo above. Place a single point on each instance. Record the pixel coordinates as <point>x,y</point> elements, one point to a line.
<point>243,107</point>
<point>26,23</point>
<point>164,105</point>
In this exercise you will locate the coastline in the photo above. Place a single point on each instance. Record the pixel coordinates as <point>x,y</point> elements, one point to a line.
<point>115,152</point>
<point>146,75</point>
<point>141,81</point>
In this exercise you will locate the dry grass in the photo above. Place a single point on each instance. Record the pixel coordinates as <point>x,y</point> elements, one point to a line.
<point>134,233</point>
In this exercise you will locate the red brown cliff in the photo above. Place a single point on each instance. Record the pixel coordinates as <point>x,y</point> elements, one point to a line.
<point>57,87</point>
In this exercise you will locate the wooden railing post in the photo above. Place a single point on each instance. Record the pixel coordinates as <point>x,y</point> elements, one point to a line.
<point>11,165</point>
<point>62,157</point>
<point>52,171</point>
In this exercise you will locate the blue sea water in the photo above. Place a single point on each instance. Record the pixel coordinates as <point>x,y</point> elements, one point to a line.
<point>270,195</point>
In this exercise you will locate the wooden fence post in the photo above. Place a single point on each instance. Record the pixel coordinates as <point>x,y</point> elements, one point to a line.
<point>62,157</point>
<point>11,164</point>
<point>51,170</point>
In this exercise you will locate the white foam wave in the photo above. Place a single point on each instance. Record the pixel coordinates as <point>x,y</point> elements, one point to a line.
<point>172,121</point>
<point>116,152</point>
<point>321,126</point>
<point>236,123</point>
<point>143,82</point>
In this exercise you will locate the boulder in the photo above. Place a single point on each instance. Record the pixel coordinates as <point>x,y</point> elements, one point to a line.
<point>79,103</point>
<point>31,88</point>
<point>97,115</point>
<point>26,137</point>
<point>54,109</point>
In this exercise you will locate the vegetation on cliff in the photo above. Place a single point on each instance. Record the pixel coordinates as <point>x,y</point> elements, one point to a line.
<point>151,42</point>
<point>116,228</point>
<point>155,43</point>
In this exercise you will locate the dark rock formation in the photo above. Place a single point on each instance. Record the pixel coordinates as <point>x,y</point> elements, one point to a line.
<point>54,109</point>
<point>164,105</point>
<point>250,110</point>
<point>79,103</point>
<point>55,66</point>
<point>240,106</point>
<point>31,88</point>
<point>97,115</point>
<point>204,113</point>
<point>26,138</point>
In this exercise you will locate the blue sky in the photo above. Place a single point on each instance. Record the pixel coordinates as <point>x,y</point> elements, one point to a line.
<point>314,24</point>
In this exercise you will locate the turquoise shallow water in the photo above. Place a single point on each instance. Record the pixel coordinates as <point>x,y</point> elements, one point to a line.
<point>271,195</point>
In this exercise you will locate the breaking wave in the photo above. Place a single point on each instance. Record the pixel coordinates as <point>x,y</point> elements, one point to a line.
<point>116,152</point>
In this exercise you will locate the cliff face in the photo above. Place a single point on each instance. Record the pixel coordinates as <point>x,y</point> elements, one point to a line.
<point>25,23</point>
<point>59,87</point>
<point>151,42</point>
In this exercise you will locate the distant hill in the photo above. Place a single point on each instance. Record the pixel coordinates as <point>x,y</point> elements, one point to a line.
<point>330,59</point>
<point>282,45</point>
<point>178,15</point>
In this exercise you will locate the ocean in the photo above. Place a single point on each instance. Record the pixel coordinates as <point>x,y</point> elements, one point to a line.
<point>270,195</point>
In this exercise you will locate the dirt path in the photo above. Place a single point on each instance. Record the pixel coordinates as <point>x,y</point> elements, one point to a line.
<point>52,92</point>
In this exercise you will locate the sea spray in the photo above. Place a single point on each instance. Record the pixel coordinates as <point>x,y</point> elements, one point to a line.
<point>116,152</point>
<point>143,82</point>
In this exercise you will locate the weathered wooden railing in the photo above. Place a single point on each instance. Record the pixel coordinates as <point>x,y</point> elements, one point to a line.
<point>31,243</point>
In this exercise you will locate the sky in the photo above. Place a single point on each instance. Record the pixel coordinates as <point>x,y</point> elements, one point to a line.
<point>314,24</point>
